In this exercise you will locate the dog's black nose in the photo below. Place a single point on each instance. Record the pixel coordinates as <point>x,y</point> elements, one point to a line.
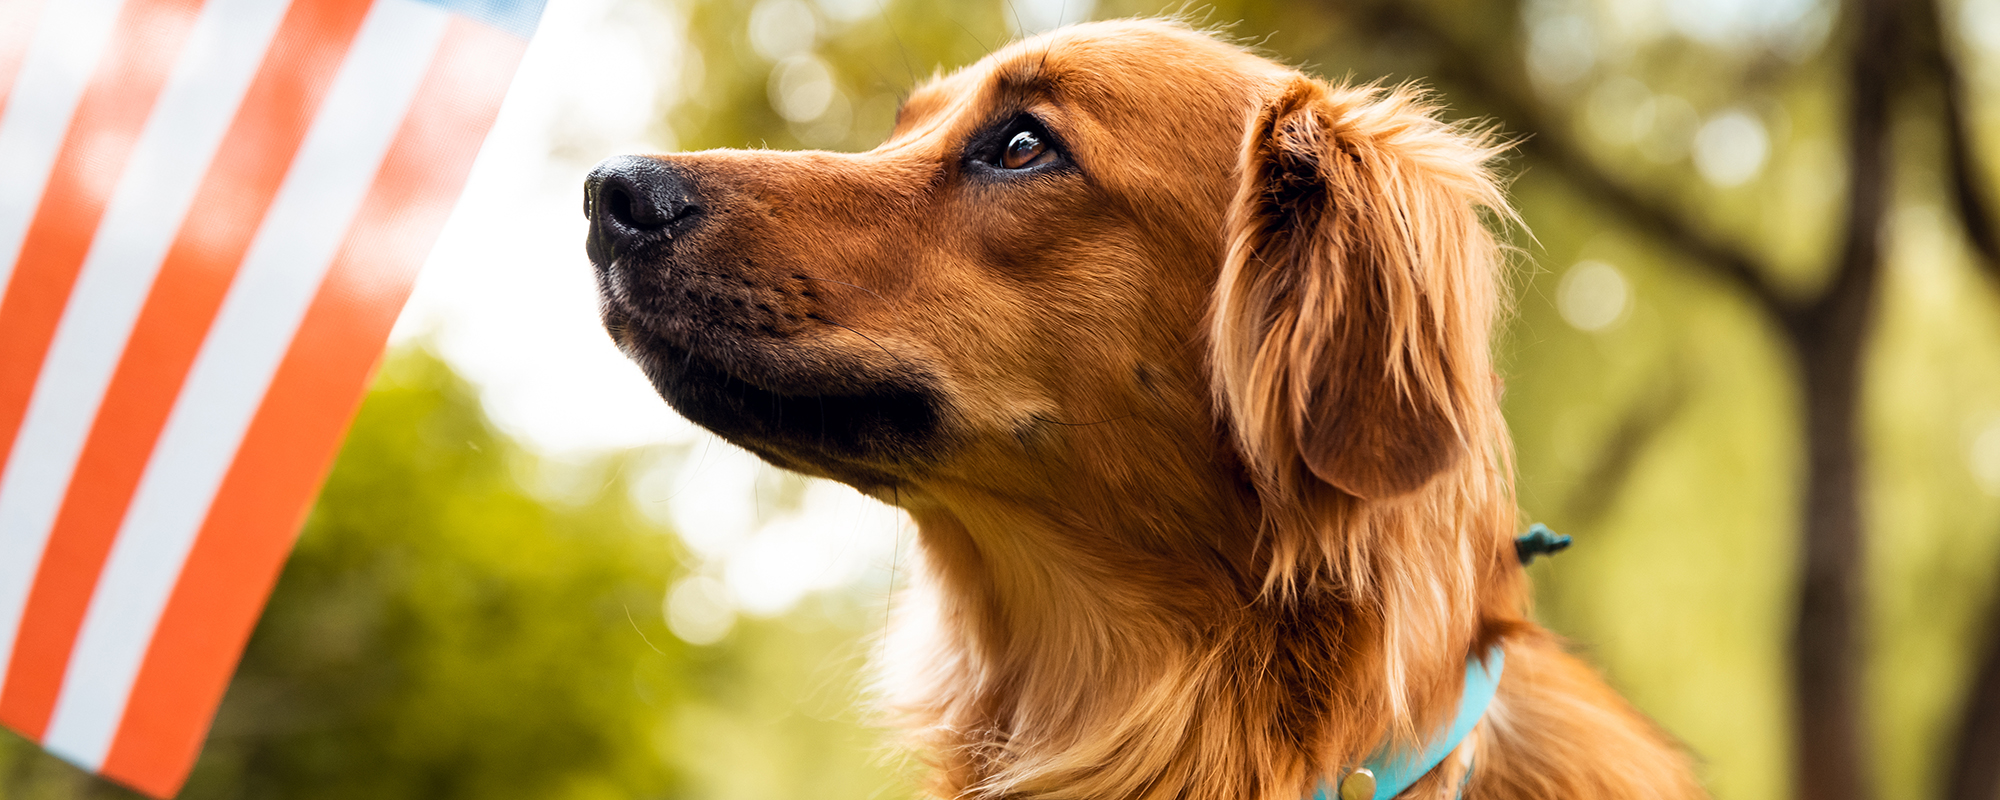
<point>633,200</point>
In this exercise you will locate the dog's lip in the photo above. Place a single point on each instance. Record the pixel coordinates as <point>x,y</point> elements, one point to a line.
<point>643,334</point>
<point>756,397</point>
<point>753,360</point>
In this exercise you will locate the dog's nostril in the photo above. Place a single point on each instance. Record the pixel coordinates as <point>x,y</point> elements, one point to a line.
<point>636,209</point>
<point>618,204</point>
<point>635,195</point>
<point>682,210</point>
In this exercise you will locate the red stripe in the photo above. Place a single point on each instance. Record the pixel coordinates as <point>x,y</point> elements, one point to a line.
<point>292,441</point>
<point>17,29</point>
<point>142,50</point>
<point>193,278</point>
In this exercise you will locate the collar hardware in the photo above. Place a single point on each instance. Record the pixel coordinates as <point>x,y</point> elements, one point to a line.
<point>1389,772</point>
<point>1358,785</point>
<point>1538,541</point>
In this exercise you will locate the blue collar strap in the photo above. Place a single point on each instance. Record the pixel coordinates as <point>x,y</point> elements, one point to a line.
<point>1389,772</point>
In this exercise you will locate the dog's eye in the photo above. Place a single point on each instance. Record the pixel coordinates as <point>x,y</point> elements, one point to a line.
<point>1020,145</point>
<point>1024,150</point>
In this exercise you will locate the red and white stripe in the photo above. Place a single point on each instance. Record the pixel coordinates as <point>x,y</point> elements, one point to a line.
<point>213,212</point>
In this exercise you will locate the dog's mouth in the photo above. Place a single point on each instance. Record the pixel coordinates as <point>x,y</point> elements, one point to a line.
<point>740,339</point>
<point>797,406</point>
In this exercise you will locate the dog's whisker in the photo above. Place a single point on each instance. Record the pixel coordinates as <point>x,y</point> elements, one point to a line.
<point>901,49</point>
<point>642,634</point>
<point>1020,27</point>
<point>878,345</point>
<point>973,36</point>
<point>895,559</point>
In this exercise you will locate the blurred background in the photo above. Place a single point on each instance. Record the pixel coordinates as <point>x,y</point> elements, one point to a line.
<point>1753,367</point>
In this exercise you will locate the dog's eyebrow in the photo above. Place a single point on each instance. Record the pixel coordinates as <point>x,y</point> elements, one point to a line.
<point>1026,77</point>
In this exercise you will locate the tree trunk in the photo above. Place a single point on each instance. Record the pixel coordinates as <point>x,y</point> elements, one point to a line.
<point>1827,336</point>
<point>1829,757</point>
<point>1974,770</point>
<point>1975,767</point>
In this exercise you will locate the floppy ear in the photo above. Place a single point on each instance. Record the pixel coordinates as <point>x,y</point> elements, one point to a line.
<point>1351,319</point>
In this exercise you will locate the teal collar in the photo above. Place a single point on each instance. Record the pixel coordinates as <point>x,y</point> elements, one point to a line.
<point>1390,772</point>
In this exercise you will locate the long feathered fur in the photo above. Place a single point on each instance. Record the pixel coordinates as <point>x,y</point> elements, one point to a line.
<point>1215,498</point>
<point>1361,284</point>
<point>1351,319</point>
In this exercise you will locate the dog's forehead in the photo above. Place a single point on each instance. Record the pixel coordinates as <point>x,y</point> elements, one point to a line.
<point>1103,67</point>
<point>1118,49</point>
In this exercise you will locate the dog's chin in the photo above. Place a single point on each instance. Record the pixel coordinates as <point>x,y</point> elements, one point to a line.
<point>862,429</point>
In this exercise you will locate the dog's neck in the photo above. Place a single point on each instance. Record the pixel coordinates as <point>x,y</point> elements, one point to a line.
<point>1100,639</point>
<point>1098,646</point>
<point>1091,564</point>
<point>1051,580</point>
<point>1046,651</point>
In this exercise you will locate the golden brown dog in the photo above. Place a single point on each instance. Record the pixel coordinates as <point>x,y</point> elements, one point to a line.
<point>1179,359</point>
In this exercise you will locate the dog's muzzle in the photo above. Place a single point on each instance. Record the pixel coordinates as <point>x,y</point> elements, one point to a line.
<point>634,203</point>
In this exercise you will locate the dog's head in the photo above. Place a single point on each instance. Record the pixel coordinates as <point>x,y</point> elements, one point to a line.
<point>1124,255</point>
<point>1139,326</point>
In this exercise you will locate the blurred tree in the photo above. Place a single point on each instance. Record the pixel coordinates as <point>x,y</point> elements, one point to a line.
<point>1761,295</point>
<point>1826,329</point>
<point>1895,55</point>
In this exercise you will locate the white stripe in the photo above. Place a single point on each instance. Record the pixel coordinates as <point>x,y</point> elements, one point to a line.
<point>145,211</point>
<point>68,43</point>
<point>308,220</point>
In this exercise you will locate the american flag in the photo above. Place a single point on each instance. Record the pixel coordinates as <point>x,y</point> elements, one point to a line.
<point>211,213</point>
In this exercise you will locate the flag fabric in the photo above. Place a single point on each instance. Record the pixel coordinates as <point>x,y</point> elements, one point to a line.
<point>211,213</point>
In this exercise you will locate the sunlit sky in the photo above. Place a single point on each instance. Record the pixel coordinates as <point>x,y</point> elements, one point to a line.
<point>507,297</point>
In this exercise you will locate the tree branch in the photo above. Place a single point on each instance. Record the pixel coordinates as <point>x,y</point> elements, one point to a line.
<point>1973,203</point>
<point>1605,479</point>
<point>1975,765</point>
<point>1974,770</point>
<point>1830,761</point>
<point>1878,65</point>
<point>1549,143</point>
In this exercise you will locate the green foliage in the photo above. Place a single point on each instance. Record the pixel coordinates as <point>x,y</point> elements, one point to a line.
<point>443,631</point>
<point>777,711</point>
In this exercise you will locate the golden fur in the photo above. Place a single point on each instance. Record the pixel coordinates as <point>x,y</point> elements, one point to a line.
<point>1199,426</point>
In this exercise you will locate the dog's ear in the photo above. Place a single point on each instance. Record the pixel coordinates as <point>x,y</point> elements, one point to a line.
<point>1350,326</point>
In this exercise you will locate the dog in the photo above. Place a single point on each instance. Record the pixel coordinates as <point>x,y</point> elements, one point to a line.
<point>1179,359</point>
